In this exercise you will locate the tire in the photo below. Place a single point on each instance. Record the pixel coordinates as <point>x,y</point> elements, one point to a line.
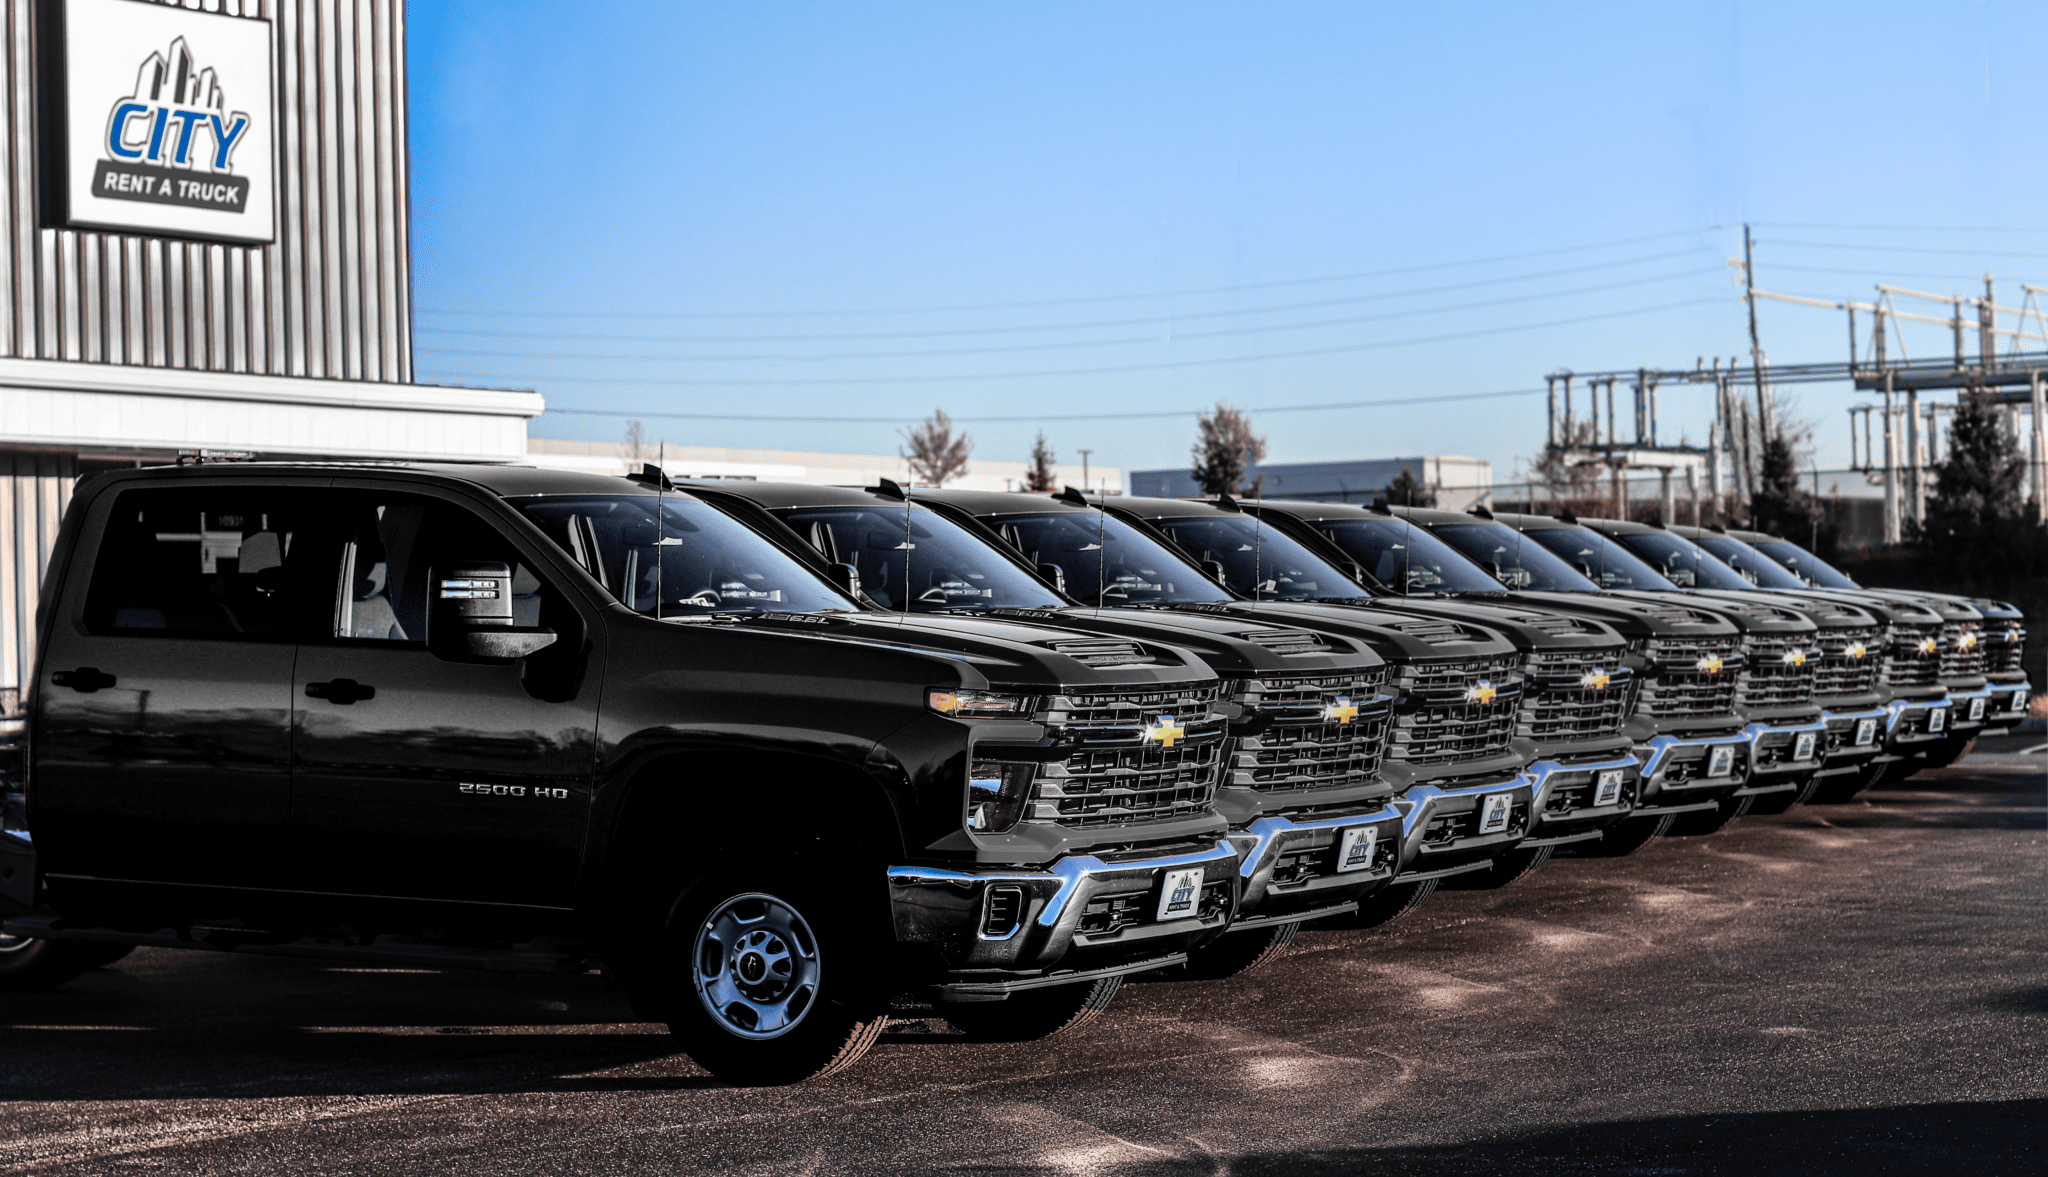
<point>1710,821</point>
<point>1238,953</point>
<point>764,982</point>
<point>1385,905</point>
<point>1508,868</point>
<point>1627,836</point>
<point>1840,790</point>
<point>1783,802</point>
<point>1035,1014</point>
<point>29,965</point>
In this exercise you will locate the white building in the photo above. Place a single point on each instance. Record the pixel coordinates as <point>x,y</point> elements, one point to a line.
<point>699,461</point>
<point>1459,482</point>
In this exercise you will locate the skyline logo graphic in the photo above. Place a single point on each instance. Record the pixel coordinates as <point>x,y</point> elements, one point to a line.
<point>173,140</point>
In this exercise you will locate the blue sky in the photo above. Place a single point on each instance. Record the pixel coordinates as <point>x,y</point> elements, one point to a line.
<point>838,217</point>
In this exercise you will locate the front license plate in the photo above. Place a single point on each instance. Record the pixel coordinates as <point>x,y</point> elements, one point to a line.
<point>2019,700</point>
<point>1866,731</point>
<point>1180,894</point>
<point>1607,789</point>
<point>1721,761</point>
<point>1355,847</point>
<point>1493,812</point>
<point>1977,707</point>
<point>1937,719</point>
<point>1802,747</point>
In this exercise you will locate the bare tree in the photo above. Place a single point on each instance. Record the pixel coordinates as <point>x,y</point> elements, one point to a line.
<point>1040,476</point>
<point>1574,488</point>
<point>1406,490</point>
<point>636,440</point>
<point>1225,451</point>
<point>935,455</point>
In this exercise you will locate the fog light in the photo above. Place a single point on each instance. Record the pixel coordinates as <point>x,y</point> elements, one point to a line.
<point>1002,912</point>
<point>996,794</point>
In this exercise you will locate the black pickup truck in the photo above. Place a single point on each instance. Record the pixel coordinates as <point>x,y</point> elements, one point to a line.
<point>540,721</point>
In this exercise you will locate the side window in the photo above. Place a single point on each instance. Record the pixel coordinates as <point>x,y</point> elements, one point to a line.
<point>389,546</point>
<point>196,562</point>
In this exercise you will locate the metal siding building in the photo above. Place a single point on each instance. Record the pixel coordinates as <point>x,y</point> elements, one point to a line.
<point>119,348</point>
<point>1459,482</point>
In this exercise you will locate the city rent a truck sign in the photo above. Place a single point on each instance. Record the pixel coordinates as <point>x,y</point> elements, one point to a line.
<point>166,122</point>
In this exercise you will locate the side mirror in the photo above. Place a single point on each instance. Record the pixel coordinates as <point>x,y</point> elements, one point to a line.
<point>1213,569</point>
<point>845,577</point>
<point>1586,570</point>
<point>1492,568</point>
<point>1056,576</point>
<point>1354,570</point>
<point>469,617</point>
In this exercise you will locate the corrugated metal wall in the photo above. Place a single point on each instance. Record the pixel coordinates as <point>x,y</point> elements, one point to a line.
<point>330,298</point>
<point>34,490</point>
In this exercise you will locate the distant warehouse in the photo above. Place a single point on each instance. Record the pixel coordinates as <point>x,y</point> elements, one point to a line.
<point>1458,482</point>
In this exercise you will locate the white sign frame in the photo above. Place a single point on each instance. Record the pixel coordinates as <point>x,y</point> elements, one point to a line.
<point>166,121</point>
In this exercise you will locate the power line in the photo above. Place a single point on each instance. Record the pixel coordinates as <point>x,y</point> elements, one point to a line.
<point>1128,340</point>
<point>1896,228</point>
<point>1072,301</point>
<point>1979,252</point>
<point>1373,404</point>
<point>1119,370</point>
<point>1096,324</point>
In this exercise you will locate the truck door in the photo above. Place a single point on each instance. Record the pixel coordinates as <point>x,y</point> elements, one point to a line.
<point>420,778</point>
<point>160,744</point>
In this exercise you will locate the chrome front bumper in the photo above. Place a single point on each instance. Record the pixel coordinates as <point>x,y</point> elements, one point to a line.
<point>1843,753</point>
<point>1911,725</point>
<point>1677,776</point>
<point>1422,806</point>
<point>1972,709</point>
<point>1780,750</point>
<point>2008,704</point>
<point>1314,855</point>
<point>1560,785</point>
<point>1081,904</point>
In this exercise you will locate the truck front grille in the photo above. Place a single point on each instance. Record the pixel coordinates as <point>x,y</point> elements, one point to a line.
<point>2005,647</point>
<point>1118,774</point>
<point>1778,671</point>
<point>1574,695</point>
<point>1849,660</point>
<point>1912,657</point>
<point>1695,677</point>
<point>1456,711</point>
<point>1319,732</point>
<point>1962,649</point>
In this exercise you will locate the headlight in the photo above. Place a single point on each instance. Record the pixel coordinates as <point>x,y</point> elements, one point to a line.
<point>977,704</point>
<point>996,794</point>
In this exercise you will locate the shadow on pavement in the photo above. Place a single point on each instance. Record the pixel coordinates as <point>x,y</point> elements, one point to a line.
<point>1990,1139</point>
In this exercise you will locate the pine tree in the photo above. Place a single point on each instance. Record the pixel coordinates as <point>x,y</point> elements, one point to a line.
<point>1976,517</point>
<point>935,455</point>
<point>1779,505</point>
<point>1225,451</point>
<point>1406,490</point>
<point>1041,477</point>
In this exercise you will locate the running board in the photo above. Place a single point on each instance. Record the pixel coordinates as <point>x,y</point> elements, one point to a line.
<point>436,956</point>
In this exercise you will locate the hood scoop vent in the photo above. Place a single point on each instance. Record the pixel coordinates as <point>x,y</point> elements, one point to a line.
<point>1103,652</point>
<point>1550,623</point>
<point>1762,613</point>
<point>1285,641</point>
<point>1434,632</point>
<point>1673,615</point>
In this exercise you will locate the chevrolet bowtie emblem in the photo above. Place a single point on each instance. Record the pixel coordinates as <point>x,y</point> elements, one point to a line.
<point>1710,664</point>
<point>1596,678</point>
<point>1966,641</point>
<point>1857,651</point>
<point>1164,732</point>
<point>1929,645</point>
<point>2011,636</point>
<point>1794,658</point>
<point>1481,692</point>
<point>1343,710</point>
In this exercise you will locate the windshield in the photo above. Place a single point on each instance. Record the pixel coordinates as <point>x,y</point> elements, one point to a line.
<point>1407,557</point>
<point>919,561</point>
<point>1749,563</point>
<point>1107,561</point>
<point>709,562</point>
<point>1260,562</point>
<point>1605,562</point>
<point>1805,564</point>
<point>1523,565</point>
<point>1684,563</point>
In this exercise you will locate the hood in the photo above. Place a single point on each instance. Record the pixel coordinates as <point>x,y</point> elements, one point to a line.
<point>1663,615</point>
<point>1396,637</point>
<point>1529,629</point>
<point>1231,646</point>
<point>1763,617</point>
<point>1827,614</point>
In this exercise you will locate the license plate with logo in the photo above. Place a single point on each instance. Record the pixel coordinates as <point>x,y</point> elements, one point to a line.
<point>1866,731</point>
<point>2019,700</point>
<point>1493,812</point>
<point>1937,720</point>
<point>1180,894</point>
<point>1977,707</point>
<point>1721,761</point>
<point>1802,746</point>
<point>1607,788</point>
<point>1355,847</point>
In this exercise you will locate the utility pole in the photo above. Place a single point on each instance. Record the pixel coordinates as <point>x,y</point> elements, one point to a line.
<point>1084,468</point>
<point>1756,351</point>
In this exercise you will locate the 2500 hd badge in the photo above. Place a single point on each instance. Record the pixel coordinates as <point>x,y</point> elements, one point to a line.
<point>484,790</point>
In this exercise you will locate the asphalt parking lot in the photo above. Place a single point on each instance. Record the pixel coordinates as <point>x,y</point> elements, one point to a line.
<point>1847,989</point>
